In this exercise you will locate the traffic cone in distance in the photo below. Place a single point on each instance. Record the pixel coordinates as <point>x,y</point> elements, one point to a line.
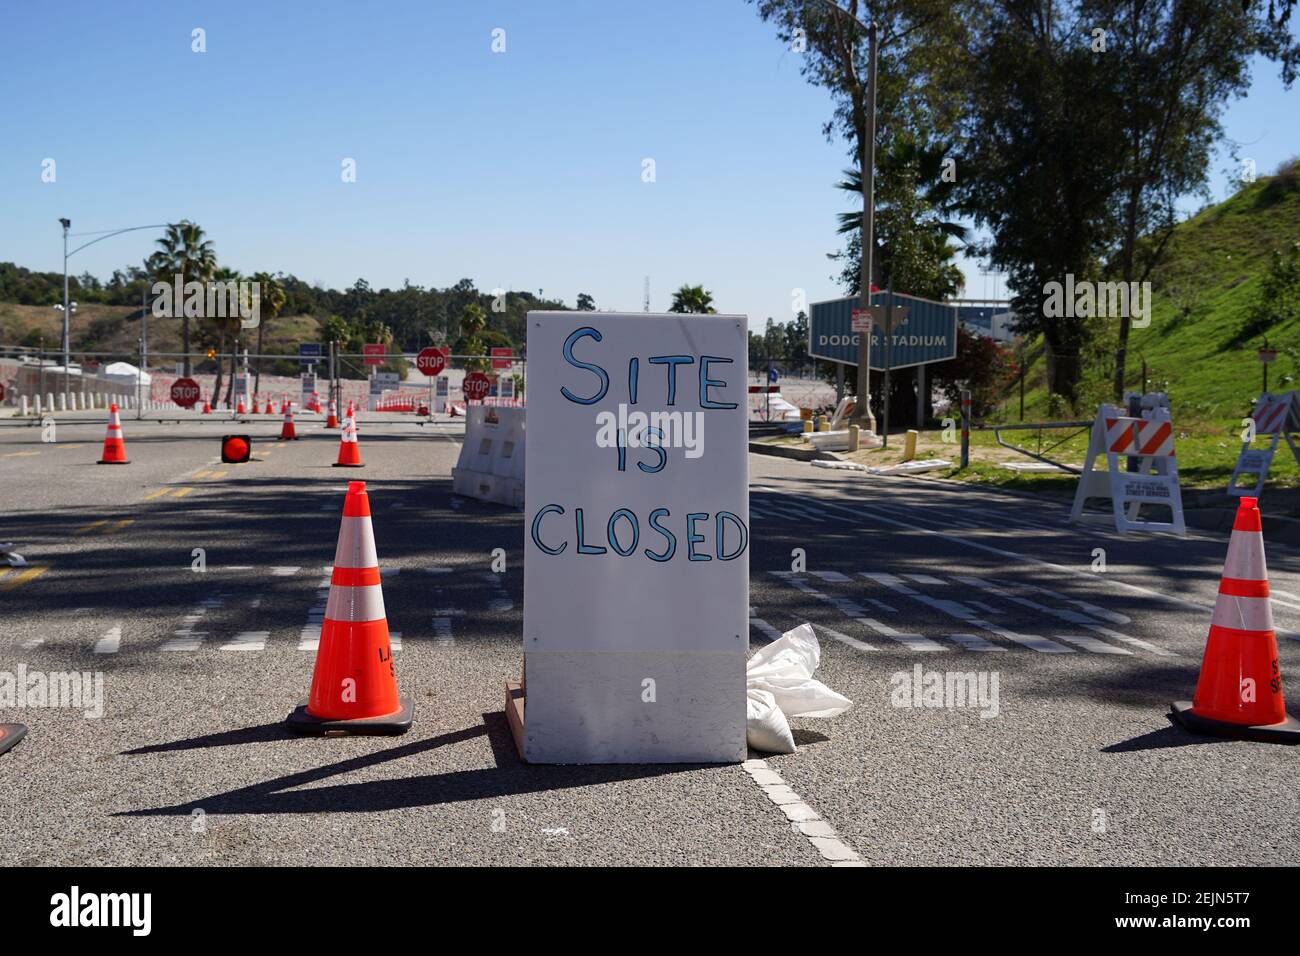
<point>114,446</point>
<point>239,410</point>
<point>207,407</point>
<point>349,447</point>
<point>1239,692</point>
<point>333,420</point>
<point>354,684</point>
<point>286,430</point>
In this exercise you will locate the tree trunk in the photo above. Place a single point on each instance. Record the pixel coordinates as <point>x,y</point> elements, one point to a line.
<point>1129,251</point>
<point>221,349</point>
<point>257,364</point>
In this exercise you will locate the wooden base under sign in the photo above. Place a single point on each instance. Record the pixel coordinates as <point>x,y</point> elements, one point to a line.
<point>515,714</point>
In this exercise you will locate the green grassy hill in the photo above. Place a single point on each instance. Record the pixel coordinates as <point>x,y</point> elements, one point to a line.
<point>1202,295</point>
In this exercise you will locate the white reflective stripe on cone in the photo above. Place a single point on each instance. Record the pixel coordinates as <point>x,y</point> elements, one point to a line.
<point>353,604</point>
<point>356,547</point>
<point>1243,613</point>
<point>1246,557</point>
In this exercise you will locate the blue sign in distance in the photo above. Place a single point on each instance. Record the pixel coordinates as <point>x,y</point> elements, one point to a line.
<point>927,334</point>
<point>308,353</point>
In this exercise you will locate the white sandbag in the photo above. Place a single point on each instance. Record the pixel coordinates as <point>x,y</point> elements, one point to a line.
<point>783,671</point>
<point>766,728</point>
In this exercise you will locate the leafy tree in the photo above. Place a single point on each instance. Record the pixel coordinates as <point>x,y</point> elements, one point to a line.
<point>1039,165</point>
<point>586,303</point>
<point>1172,65</point>
<point>184,250</point>
<point>693,299</point>
<point>1279,295</point>
<point>472,323</point>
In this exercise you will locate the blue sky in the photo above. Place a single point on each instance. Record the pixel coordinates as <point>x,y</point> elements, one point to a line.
<point>520,169</point>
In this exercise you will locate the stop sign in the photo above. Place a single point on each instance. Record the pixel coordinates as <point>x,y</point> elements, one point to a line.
<point>185,392</point>
<point>476,386</point>
<point>431,361</point>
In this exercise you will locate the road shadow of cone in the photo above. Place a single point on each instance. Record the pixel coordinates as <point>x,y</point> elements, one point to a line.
<point>349,447</point>
<point>354,685</point>
<point>1239,692</point>
<point>114,446</point>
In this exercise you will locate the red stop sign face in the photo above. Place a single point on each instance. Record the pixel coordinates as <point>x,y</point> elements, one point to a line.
<point>431,361</point>
<point>476,386</point>
<point>185,392</point>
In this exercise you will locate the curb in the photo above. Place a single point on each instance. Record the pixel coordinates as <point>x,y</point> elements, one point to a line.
<point>796,454</point>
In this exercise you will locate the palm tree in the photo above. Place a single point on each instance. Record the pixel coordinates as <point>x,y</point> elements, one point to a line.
<point>272,301</point>
<point>224,327</point>
<point>693,299</point>
<point>183,250</point>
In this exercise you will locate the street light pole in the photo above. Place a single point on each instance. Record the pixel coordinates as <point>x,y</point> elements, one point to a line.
<point>67,308</point>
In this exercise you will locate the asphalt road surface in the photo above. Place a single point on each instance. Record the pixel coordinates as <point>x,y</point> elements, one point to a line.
<point>1073,760</point>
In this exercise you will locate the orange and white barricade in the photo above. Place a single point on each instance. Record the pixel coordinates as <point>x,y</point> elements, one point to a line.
<point>1276,415</point>
<point>1148,441</point>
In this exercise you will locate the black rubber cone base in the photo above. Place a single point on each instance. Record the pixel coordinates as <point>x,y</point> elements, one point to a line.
<point>340,464</point>
<point>1287,732</point>
<point>388,725</point>
<point>10,734</point>
<point>112,462</point>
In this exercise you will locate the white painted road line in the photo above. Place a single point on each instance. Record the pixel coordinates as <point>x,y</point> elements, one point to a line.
<point>843,638</point>
<point>913,641</point>
<point>247,641</point>
<point>803,818</point>
<point>768,630</point>
<point>442,630</point>
<point>111,642</point>
<point>1091,644</point>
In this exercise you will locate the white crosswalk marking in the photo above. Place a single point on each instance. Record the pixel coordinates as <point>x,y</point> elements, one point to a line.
<point>186,638</point>
<point>849,609</point>
<point>768,630</point>
<point>1004,589</point>
<point>843,638</point>
<point>1091,644</point>
<point>309,636</point>
<point>395,641</point>
<point>957,610</point>
<point>111,642</point>
<point>500,601</point>
<point>973,642</point>
<point>247,641</point>
<point>284,572</point>
<point>442,630</point>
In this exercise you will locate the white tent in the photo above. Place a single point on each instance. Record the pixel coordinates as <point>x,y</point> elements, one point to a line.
<point>126,373</point>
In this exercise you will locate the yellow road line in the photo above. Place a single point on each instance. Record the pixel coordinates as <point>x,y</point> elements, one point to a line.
<point>4,571</point>
<point>86,529</point>
<point>118,526</point>
<point>35,571</point>
<point>20,454</point>
<point>202,474</point>
<point>181,492</point>
<point>70,446</point>
<point>156,494</point>
<point>219,474</point>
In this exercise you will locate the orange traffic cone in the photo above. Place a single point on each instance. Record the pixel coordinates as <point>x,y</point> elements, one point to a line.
<point>333,420</point>
<point>349,447</point>
<point>286,430</point>
<point>354,685</point>
<point>239,410</point>
<point>207,407</point>
<point>114,446</point>
<point>1239,693</point>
